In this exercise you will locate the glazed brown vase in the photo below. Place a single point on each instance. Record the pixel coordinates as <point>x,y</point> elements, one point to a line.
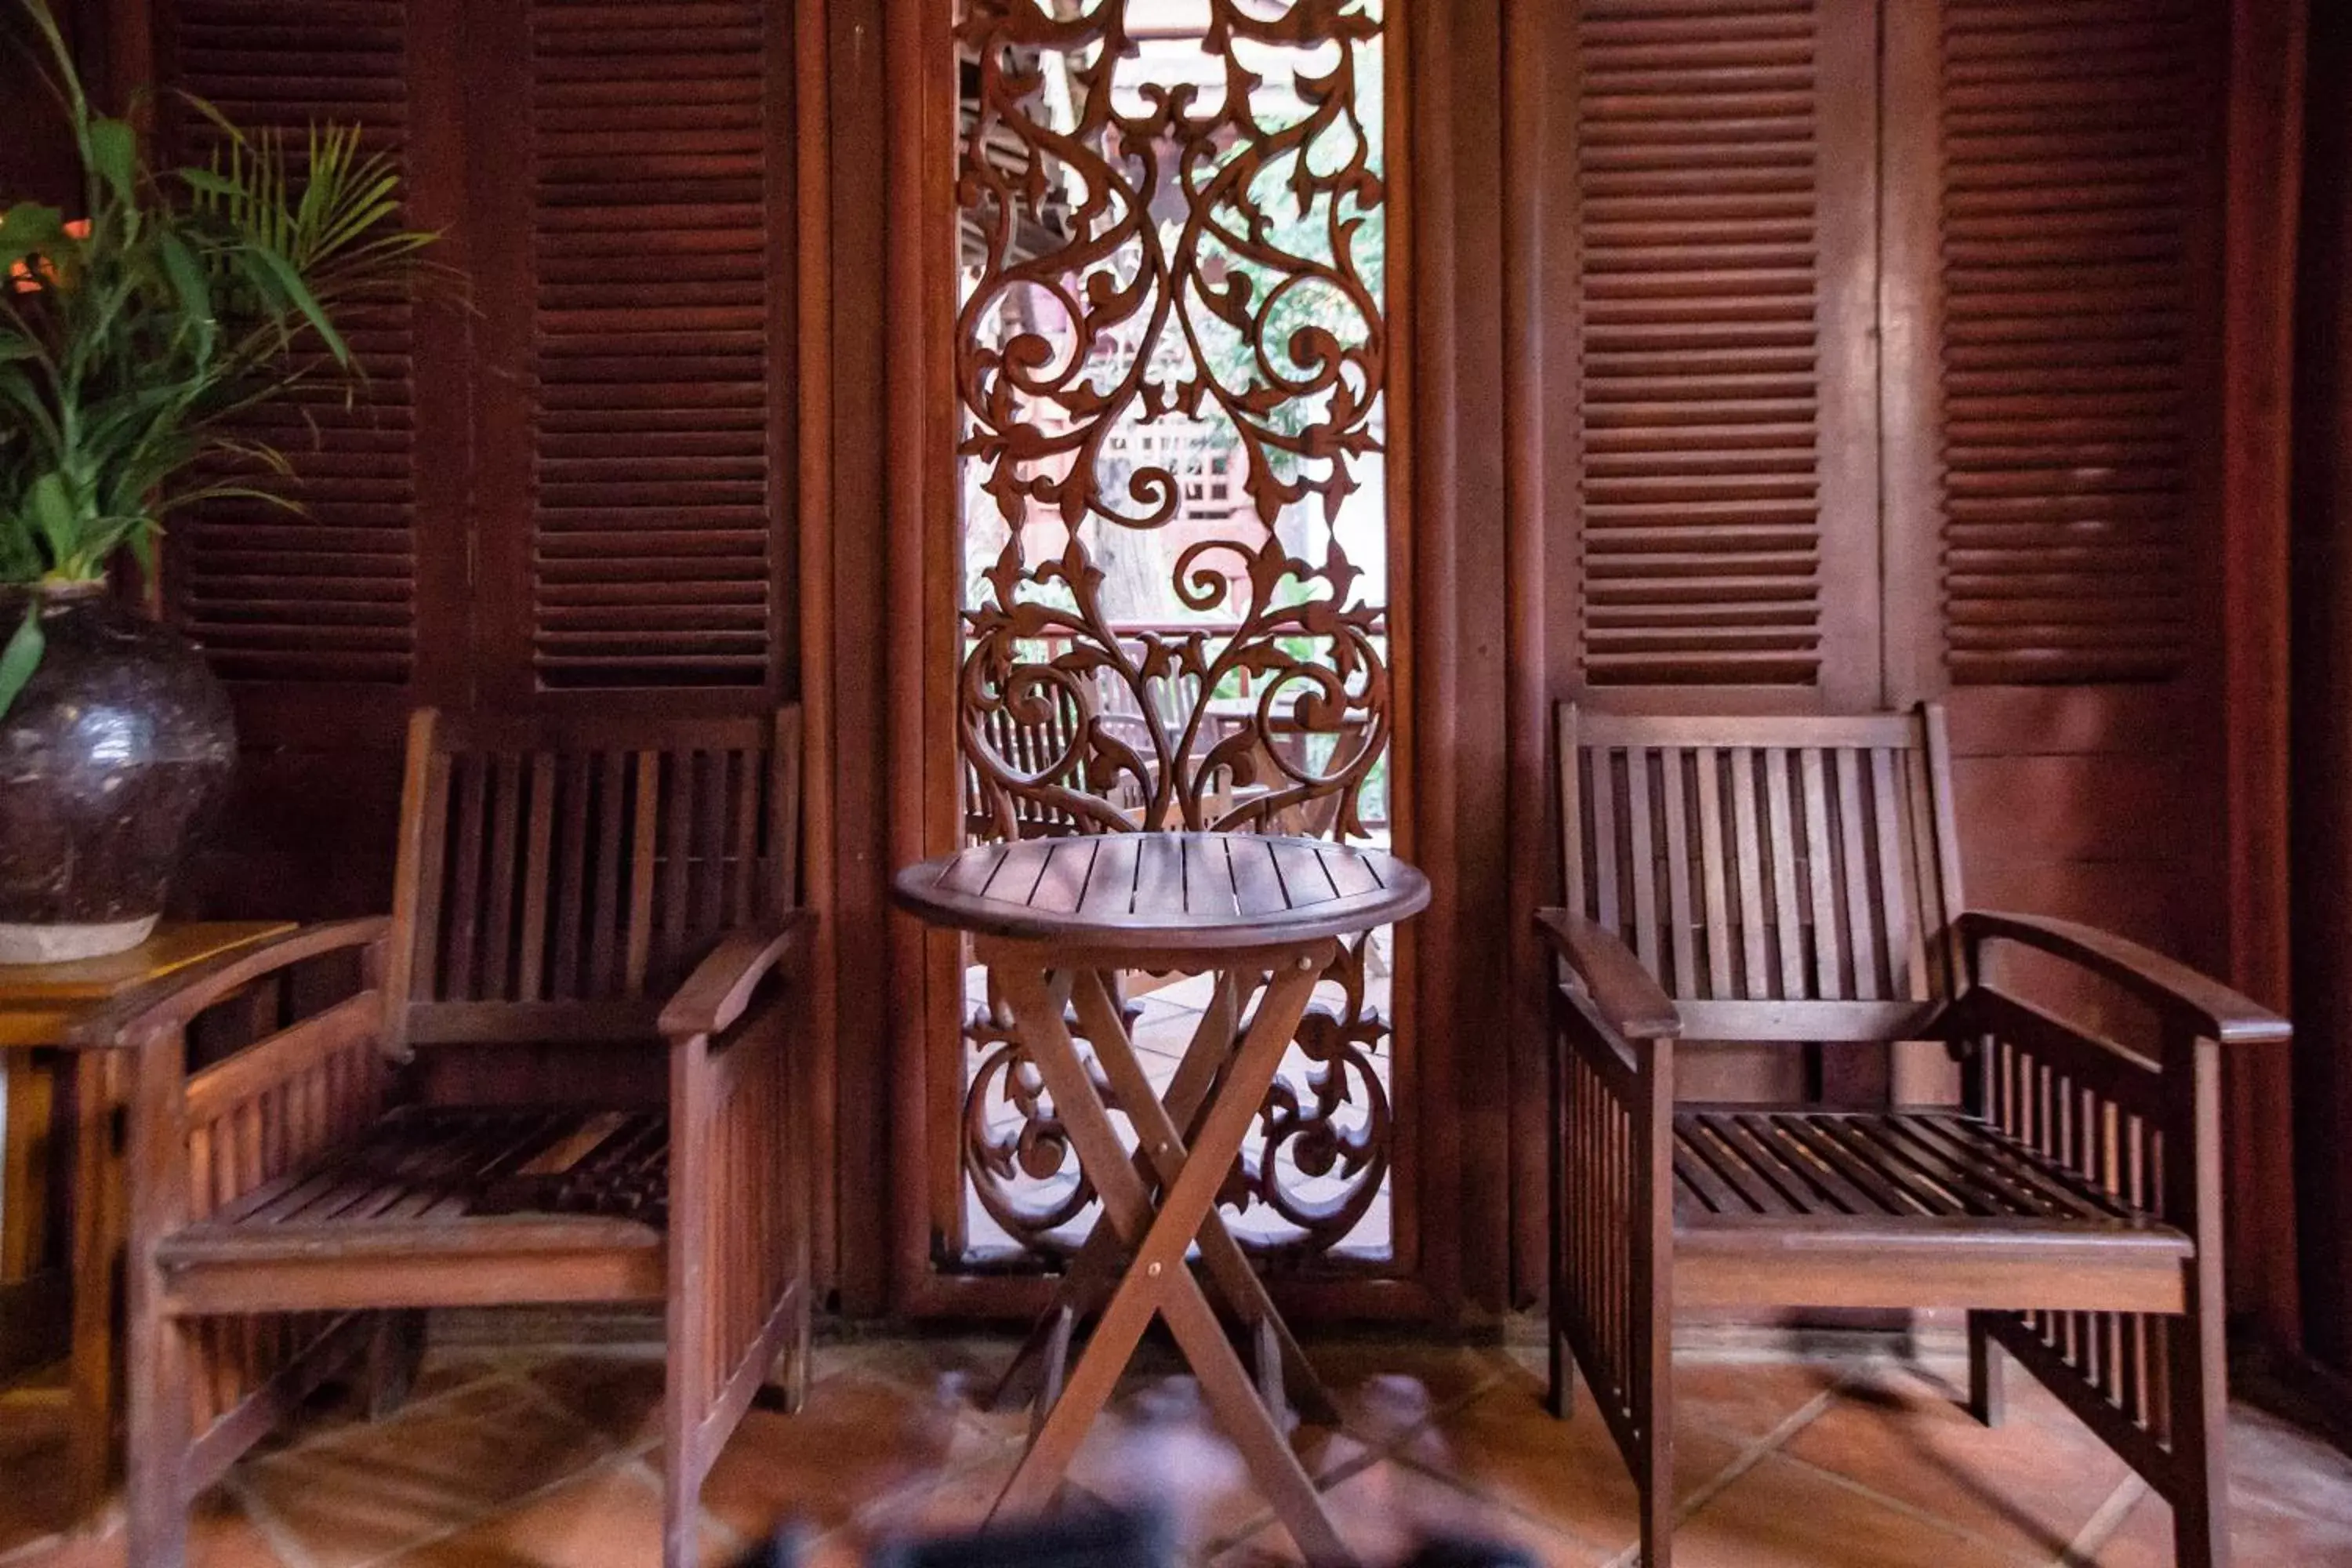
<point>112,757</point>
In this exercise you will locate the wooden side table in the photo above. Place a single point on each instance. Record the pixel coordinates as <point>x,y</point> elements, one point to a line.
<point>59,1126</point>
<point>1055,920</point>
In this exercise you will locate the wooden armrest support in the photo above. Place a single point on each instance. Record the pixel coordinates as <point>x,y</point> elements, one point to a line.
<point>2205,1004</point>
<point>1623,993</point>
<point>170,1001</point>
<point>721,986</point>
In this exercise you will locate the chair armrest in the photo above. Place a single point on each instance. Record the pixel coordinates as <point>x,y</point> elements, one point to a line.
<point>1625,995</point>
<point>2205,1004</point>
<point>721,986</point>
<point>170,1001</point>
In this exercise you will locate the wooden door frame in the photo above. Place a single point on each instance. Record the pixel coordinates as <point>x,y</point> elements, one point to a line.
<point>886,547</point>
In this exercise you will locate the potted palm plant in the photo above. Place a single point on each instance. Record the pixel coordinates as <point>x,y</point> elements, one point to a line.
<point>132,341</point>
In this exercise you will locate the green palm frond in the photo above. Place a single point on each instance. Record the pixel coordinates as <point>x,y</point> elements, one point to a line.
<point>132,340</point>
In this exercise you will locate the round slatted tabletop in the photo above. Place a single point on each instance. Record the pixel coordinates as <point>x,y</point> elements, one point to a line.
<point>1164,891</point>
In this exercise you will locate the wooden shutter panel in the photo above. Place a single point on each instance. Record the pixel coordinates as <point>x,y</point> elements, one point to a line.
<point>657,486</point>
<point>1722,180</point>
<point>2070,137</point>
<point>330,596</point>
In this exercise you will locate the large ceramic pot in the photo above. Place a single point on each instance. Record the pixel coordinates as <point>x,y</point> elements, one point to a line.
<point>112,756</point>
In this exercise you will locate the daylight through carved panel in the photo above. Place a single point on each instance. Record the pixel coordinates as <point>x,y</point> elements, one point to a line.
<point>1171,362</point>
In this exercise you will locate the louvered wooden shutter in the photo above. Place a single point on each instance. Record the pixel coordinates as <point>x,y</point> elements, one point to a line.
<point>658,491</point>
<point>330,596</point>
<point>2069,139</point>
<point>1722,168</point>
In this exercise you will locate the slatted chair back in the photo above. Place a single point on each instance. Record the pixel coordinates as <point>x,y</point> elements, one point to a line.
<point>1789,878</point>
<point>1027,747</point>
<point>557,879</point>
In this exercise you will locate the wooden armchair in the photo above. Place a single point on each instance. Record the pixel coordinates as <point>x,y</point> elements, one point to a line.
<point>565,1076</point>
<point>1796,881</point>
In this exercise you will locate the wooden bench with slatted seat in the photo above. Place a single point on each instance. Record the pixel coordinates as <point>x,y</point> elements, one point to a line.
<point>600,909</point>
<point>1794,881</point>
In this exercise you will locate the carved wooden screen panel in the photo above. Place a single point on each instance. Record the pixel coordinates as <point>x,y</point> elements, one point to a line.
<point>1725,508</point>
<point>1172,352</point>
<point>2069,247</point>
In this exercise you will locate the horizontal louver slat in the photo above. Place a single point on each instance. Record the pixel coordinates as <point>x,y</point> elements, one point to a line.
<point>2068,144</point>
<point>330,595</point>
<point>1699,394</point>
<point>653,517</point>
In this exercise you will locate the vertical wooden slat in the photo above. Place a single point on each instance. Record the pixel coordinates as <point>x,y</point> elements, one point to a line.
<point>538,871</point>
<point>1678,870</point>
<point>506,831</point>
<point>1904,957</point>
<point>604,913</point>
<point>466,888</point>
<point>1712,871</point>
<point>1605,838</point>
<point>748,901</point>
<point>1861,917</point>
<point>416,881</point>
<point>711,845</point>
<point>1572,889</point>
<point>1642,861</point>
<point>1783,866</point>
<point>1748,867</point>
<point>1820,860</point>
<point>674,841</point>
<point>570,886</point>
<point>645,845</point>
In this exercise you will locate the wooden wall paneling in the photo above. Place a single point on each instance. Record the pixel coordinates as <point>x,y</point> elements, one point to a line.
<point>813,601</point>
<point>1725,519</point>
<point>2068,171</point>
<point>1415,1288</point>
<point>925,637</point>
<point>660,318</point>
<point>1458,562</point>
<point>2322,630</point>
<point>1535,80</point>
<point>2264,172</point>
<point>636,428</point>
<point>329,612</point>
<point>1910,357</point>
<point>321,758</point>
<point>858,123</point>
<point>1476,1010</point>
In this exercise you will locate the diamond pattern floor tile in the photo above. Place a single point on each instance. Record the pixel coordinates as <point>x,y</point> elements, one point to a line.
<point>550,1459</point>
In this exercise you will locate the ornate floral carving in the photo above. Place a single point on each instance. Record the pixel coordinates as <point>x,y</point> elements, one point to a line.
<point>1169,245</point>
<point>1300,401</point>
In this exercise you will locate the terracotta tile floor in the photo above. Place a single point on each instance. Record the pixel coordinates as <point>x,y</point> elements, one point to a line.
<point>547,1460</point>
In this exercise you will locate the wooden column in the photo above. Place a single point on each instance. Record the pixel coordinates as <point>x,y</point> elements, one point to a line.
<point>2322,714</point>
<point>2264,159</point>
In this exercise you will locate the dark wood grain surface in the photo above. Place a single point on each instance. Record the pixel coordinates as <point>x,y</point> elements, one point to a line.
<point>1164,890</point>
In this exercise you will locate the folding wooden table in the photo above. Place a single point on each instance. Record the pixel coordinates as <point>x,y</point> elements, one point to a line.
<point>1057,920</point>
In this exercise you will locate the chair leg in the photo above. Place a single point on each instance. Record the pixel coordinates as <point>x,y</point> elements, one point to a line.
<point>395,1347</point>
<point>679,1498</point>
<point>1987,1402</point>
<point>156,1442</point>
<point>1561,1399</point>
<point>1654,1479</point>
<point>785,1388</point>
<point>2200,1402</point>
<point>1653,1467</point>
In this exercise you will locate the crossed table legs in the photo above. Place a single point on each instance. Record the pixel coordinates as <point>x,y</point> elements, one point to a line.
<point>1039,982</point>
